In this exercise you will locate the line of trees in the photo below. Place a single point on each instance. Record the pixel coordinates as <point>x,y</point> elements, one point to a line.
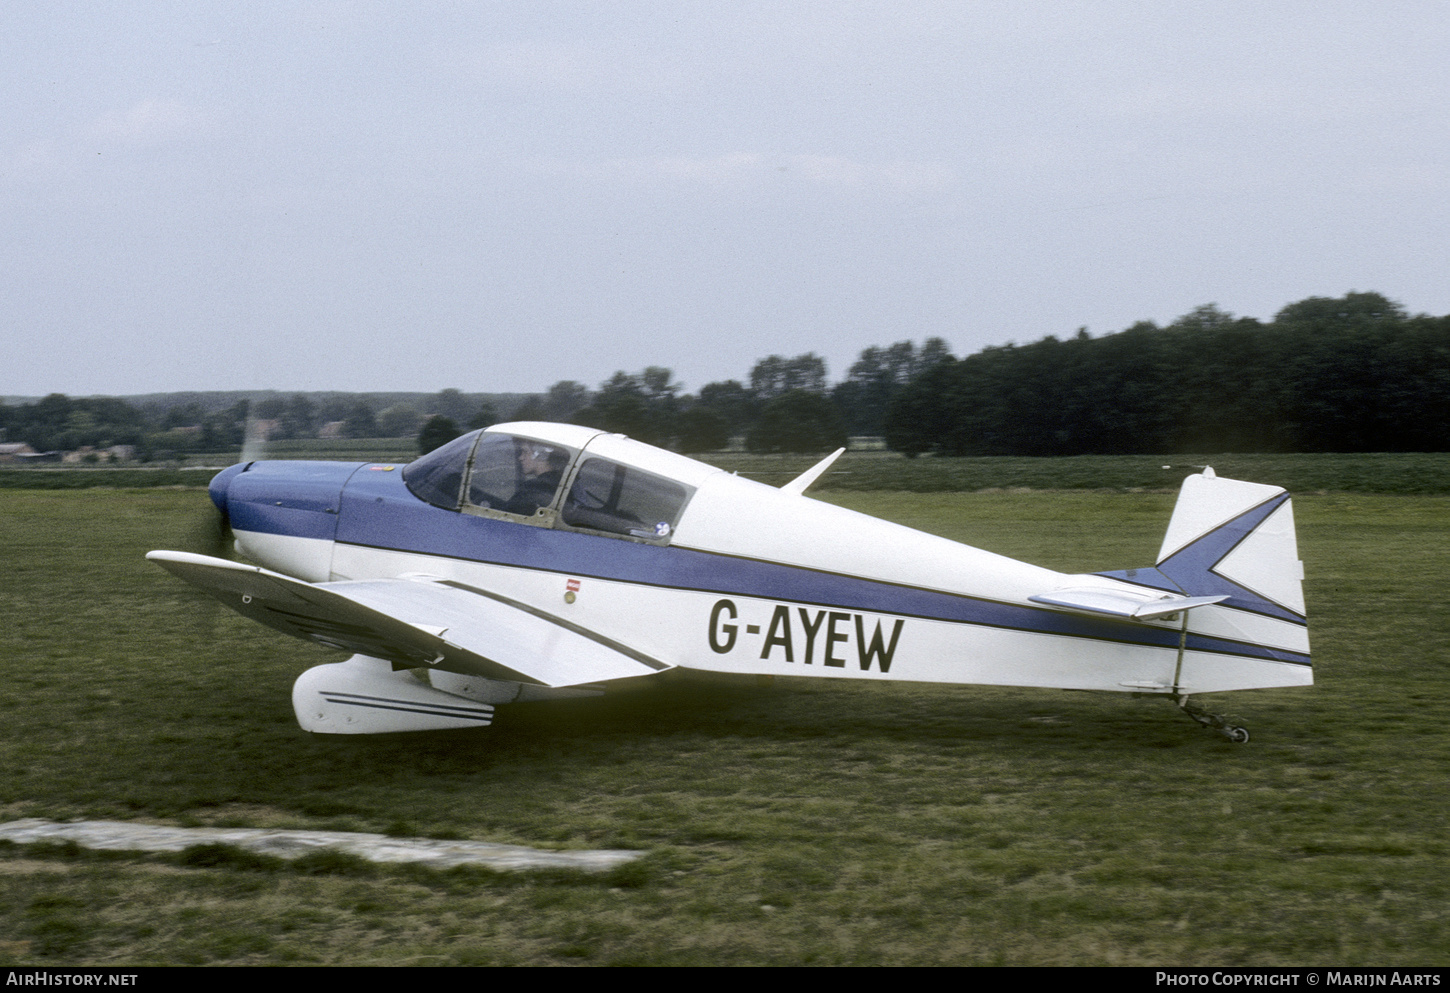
<point>190,422</point>
<point>1355,373</point>
<point>788,406</point>
<point>1350,374</point>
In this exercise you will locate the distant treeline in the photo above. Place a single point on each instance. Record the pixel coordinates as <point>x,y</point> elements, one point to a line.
<point>166,425</point>
<point>1353,374</point>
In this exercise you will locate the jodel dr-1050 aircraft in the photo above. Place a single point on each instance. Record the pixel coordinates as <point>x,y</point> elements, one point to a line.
<point>531,561</point>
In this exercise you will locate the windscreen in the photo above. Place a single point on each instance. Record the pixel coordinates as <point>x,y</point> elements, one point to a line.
<point>438,476</point>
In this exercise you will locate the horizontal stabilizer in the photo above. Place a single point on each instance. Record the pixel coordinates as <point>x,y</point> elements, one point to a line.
<point>418,622</point>
<point>1120,603</point>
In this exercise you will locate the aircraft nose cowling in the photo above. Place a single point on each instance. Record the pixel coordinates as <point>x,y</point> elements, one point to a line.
<point>221,482</point>
<point>297,499</point>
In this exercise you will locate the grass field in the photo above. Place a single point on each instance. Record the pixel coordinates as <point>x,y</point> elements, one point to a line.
<point>792,822</point>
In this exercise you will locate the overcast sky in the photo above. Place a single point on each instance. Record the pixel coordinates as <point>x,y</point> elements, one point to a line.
<point>496,196</point>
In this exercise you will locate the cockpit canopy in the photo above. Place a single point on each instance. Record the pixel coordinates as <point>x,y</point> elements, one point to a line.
<point>549,483</point>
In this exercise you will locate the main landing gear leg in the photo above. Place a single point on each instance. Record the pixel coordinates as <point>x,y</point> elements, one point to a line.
<point>1217,722</point>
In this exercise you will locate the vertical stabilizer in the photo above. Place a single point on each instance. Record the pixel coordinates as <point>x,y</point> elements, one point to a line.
<point>1232,537</point>
<point>1234,540</point>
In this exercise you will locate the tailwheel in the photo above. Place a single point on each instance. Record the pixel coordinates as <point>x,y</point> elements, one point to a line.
<point>1221,723</point>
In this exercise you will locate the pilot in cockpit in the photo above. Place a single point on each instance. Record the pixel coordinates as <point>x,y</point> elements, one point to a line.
<point>540,467</point>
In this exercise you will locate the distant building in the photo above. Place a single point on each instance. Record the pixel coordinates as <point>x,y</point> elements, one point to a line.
<point>11,451</point>
<point>86,453</point>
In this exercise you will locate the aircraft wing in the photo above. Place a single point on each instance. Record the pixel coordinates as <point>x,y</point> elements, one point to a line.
<point>418,622</point>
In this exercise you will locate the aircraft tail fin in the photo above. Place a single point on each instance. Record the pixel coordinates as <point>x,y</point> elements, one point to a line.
<point>1231,546</point>
<point>1230,538</point>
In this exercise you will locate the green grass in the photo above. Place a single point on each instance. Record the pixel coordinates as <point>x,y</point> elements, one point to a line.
<point>133,477</point>
<point>786,822</point>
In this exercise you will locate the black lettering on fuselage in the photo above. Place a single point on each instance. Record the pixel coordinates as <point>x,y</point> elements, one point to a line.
<point>832,630</point>
<point>875,650</point>
<point>832,637</point>
<point>779,633</point>
<point>717,629</point>
<point>811,629</point>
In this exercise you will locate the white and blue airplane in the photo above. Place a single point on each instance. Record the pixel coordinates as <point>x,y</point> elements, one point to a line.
<point>531,561</point>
